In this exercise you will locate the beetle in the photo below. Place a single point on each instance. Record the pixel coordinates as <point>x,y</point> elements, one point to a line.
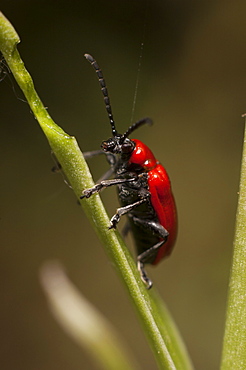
<point>144,189</point>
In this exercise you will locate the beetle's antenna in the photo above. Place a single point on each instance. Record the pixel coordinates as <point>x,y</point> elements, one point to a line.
<point>135,126</point>
<point>104,91</point>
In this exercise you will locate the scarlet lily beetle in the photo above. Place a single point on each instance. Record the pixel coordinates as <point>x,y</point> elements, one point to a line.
<point>144,190</point>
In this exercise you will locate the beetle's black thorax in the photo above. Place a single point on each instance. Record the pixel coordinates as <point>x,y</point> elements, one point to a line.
<point>131,192</point>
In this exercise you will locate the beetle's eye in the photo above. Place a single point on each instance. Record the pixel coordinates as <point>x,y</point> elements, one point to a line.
<point>108,145</point>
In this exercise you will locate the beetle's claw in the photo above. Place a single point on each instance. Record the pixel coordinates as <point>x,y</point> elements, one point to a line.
<point>86,193</point>
<point>148,283</point>
<point>114,221</point>
<point>144,276</point>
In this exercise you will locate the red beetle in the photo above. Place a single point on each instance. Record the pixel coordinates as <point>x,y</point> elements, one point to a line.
<point>144,190</point>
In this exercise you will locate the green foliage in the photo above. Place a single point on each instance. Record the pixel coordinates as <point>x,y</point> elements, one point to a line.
<point>234,353</point>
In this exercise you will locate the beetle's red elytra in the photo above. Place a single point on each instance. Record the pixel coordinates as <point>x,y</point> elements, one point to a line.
<point>144,190</point>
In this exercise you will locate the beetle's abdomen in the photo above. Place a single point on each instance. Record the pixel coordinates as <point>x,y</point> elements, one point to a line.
<point>164,205</point>
<point>161,196</point>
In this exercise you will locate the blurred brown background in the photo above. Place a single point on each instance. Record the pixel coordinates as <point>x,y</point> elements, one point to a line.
<point>192,84</point>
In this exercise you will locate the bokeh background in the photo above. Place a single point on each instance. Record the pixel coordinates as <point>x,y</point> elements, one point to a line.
<point>192,84</point>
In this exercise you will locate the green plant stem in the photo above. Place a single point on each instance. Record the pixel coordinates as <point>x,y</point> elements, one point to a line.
<point>156,321</point>
<point>234,347</point>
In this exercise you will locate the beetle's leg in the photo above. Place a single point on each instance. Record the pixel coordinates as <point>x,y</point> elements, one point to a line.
<point>156,228</point>
<point>57,168</point>
<point>111,158</point>
<point>102,185</point>
<point>106,175</point>
<point>144,276</point>
<point>143,258</point>
<point>147,255</point>
<point>126,229</point>
<point>123,210</point>
<point>92,153</point>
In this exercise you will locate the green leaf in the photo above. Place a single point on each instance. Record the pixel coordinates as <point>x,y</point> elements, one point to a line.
<point>234,348</point>
<point>83,322</point>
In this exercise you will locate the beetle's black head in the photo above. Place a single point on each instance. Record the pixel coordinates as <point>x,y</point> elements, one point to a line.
<point>118,145</point>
